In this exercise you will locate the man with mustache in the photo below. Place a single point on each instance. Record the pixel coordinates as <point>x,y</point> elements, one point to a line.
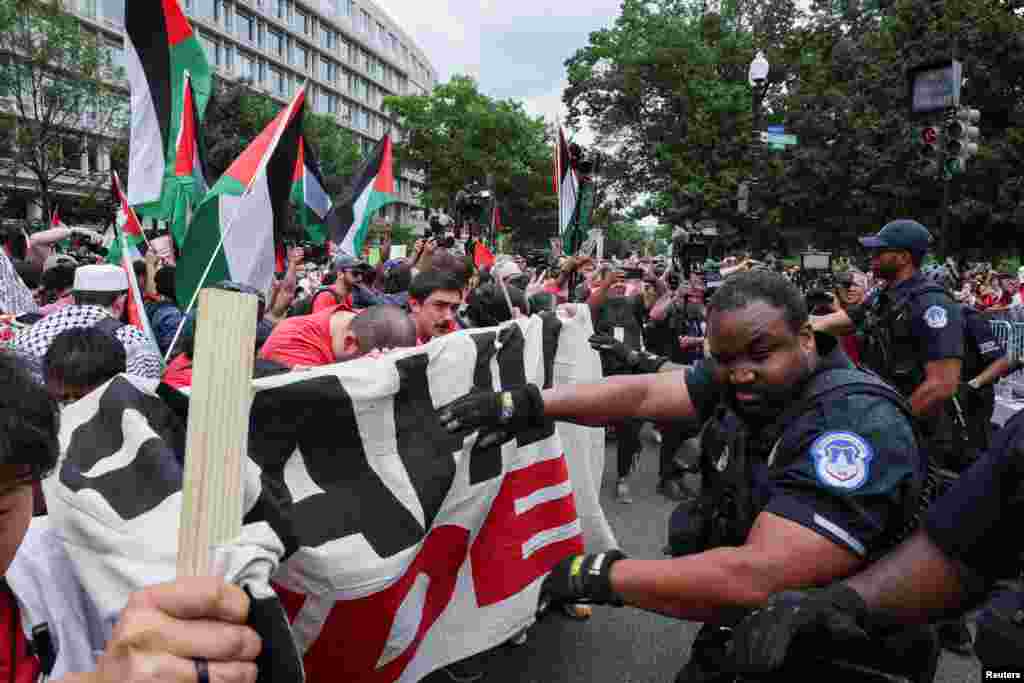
<point>811,467</point>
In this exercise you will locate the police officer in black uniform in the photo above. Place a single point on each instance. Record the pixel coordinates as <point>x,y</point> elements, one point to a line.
<point>913,337</point>
<point>810,467</point>
<point>970,539</point>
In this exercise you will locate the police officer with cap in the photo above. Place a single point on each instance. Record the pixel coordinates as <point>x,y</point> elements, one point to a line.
<point>969,540</point>
<point>809,467</point>
<point>913,336</point>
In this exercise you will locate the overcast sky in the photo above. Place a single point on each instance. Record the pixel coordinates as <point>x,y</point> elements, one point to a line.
<point>514,48</point>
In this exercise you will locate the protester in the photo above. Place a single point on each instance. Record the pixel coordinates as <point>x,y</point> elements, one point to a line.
<point>100,293</point>
<point>79,360</point>
<point>335,335</point>
<point>434,300</point>
<point>57,283</point>
<point>162,308</point>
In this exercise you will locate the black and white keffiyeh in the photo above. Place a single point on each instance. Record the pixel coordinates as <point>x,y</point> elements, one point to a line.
<point>15,296</point>
<point>144,359</point>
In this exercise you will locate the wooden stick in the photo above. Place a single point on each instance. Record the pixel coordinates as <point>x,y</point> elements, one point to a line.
<point>218,427</point>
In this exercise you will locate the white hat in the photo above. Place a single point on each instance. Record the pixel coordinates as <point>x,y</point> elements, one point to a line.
<point>100,279</point>
<point>506,269</point>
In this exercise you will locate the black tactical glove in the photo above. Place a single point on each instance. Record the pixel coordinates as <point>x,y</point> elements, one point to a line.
<point>761,642</point>
<point>279,660</point>
<point>582,579</point>
<point>616,356</point>
<point>499,415</point>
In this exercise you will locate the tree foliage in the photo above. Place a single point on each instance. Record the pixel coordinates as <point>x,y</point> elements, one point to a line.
<point>459,137</point>
<point>665,88</point>
<point>62,93</point>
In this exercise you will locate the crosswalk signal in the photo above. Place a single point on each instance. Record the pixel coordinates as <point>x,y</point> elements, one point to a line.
<point>929,147</point>
<point>961,139</point>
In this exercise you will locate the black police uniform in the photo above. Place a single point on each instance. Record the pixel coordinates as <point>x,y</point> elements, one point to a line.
<point>982,349</point>
<point>977,524</point>
<point>906,326</point>
<point>842,460</point>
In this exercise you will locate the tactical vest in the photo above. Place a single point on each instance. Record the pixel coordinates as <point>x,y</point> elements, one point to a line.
<point>727,504</point>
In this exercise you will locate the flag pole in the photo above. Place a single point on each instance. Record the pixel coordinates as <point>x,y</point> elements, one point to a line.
<point>558,172</point>
<point>220,243</point>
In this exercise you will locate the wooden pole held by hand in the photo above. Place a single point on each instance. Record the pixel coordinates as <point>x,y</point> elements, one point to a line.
<point>218,427</point>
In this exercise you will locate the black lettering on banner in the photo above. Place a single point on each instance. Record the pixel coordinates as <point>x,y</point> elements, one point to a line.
<point>484,464</point>
<point>154,473</point>
<point>317,417</point>
<point>511,365</point>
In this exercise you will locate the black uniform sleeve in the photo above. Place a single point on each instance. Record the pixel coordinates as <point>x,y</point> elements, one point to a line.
<point>980,332</point>
<point>705,392</point>
<point>937,321</point>
<point>978,520</point>
<point>850,482</point>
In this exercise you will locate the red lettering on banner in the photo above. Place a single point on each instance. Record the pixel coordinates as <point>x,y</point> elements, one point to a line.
<point>356,631</point>
<point>499,568</point>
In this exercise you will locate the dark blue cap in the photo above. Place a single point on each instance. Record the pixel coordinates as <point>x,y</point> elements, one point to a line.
<point>900,234</point>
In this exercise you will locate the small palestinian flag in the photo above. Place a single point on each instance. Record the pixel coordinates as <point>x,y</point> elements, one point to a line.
<point>163,60</point>
<point>190,184</point>
<point>373,187</point>
<point>126,223</point>
<point>233,232</point>
<point>308,194</point>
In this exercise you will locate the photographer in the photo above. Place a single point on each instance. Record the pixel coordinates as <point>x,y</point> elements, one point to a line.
<point>40,244</point>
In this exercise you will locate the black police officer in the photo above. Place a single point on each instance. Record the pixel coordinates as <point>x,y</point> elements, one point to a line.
<point>913,333</point>
<point>809,465</point>
<point>969,540</point>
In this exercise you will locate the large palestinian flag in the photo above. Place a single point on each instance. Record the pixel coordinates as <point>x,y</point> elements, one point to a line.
<point>232,232</point>
<point>308,194</point>
<point>168,74</point>
<point>373,187</point>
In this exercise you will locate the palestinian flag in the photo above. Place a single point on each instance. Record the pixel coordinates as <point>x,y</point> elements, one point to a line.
<point>126,254</point>
<point>567,183</point>
<point>373,187</point>
<point>190,184</point>
<point>163,60</point>
<point>308,194</point>
<point>232,232</point>
<point>126,223</point>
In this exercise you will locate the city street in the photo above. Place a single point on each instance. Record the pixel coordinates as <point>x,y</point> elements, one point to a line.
<point>626,645</point>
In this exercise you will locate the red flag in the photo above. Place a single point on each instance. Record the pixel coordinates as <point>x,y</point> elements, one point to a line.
<point>55,221</point>
<point>497,219</point>
<point>482,256</point>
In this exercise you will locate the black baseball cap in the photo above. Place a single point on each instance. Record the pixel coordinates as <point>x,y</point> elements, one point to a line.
<point>901,234</point>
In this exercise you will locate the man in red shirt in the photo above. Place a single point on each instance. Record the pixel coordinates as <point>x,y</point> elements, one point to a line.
<point>337,334</point>
<point>434,300</point>
<point>341,291</point>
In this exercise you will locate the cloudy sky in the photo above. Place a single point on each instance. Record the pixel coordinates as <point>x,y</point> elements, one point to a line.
<point>514,48</point>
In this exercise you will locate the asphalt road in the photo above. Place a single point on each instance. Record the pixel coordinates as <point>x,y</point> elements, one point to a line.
<point>624,645</point>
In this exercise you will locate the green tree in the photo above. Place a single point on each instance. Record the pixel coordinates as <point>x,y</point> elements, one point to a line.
<point>459,137</point>
<point>63,94</point>
<point>666,91</point>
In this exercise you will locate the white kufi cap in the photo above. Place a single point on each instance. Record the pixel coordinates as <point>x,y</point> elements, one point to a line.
<point>100,279</point>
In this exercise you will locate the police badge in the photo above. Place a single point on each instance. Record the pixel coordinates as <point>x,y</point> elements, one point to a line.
<point>841,460</point>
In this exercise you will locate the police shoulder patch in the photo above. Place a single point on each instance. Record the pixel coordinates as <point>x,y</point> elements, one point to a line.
<point>842,460</point>
<point>936,317</point>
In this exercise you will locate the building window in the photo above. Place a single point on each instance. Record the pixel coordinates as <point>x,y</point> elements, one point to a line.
<point>347,7</point>
<point>113,12</point>
<point>229,19</point>
<point>302,22</point>
<point>279,8</point>
<point>245,66</point>
<point>93,157</point>
<point>247,27</point>
<point>277,81</point>
<point>210,45</point>
<point>394,43</point>
<point>87,8</point>
<point>327,37</point>
<point>364,21</point>
<point>353,54</point>
<point>71,152</point>
<point>276,42</point>
<point>301,57</point>
<point>262,39</point>
<point>204,9</point>
<point>229,57</point>
<point>382,34</point>
<point>261,77</point>
<point>328,70</point>
<point>343,47</point>
<point>332,103</point>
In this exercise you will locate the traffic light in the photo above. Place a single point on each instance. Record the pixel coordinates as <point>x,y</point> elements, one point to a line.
<point>929,149</point>
<point>961,139</point>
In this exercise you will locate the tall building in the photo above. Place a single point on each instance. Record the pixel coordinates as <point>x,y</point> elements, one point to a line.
<point>351,53</point>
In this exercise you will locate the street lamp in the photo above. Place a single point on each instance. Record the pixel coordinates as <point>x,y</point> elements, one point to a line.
<point>758,77</point>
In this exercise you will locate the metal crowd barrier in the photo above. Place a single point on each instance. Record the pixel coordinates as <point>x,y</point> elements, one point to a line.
<point>1011,336</point>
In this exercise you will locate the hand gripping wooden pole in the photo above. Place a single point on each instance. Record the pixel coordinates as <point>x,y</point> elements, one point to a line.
<point>218,427</point>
